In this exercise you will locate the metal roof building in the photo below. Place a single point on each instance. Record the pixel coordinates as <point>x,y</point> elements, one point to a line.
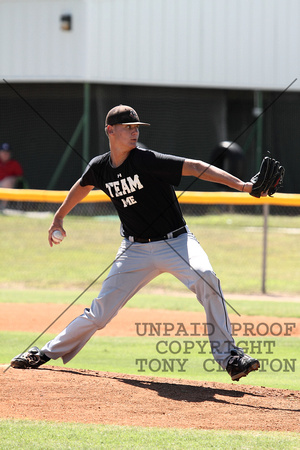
<point>200,71</point>
<point>233,44</point>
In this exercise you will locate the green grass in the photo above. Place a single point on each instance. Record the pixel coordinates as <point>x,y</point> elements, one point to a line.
<point>232,242</point>
<point>165,357</point>
<point>32,272</point>
<point>153,300</point>
<point>227,220</point>
<point>16,434</point>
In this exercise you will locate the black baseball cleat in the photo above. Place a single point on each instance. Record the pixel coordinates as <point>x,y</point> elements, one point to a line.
<point>240,364</point>
<point>31,359</point>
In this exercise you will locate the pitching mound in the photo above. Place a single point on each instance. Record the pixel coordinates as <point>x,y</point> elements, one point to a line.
<point>66,395</point>
<point>71,395</point>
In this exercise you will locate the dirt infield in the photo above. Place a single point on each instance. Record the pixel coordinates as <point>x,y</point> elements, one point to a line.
<point>35,317</point>
<point>72,395</point>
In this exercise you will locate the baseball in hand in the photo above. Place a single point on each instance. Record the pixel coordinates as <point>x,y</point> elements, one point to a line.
<point>57,237</point>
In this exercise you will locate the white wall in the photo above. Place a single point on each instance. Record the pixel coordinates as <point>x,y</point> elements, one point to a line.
<point>243,44</point>
<point>32,46</point>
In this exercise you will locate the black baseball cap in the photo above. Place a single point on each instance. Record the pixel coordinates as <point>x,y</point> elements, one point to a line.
<point>123,114</point>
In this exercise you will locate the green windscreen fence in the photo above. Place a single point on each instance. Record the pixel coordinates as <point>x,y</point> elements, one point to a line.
<point>55,129</point>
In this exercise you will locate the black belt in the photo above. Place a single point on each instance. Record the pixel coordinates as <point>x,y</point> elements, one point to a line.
<point>173,234</point>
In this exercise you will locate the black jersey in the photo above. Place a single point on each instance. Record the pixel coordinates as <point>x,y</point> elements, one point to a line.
<point>141,189</point>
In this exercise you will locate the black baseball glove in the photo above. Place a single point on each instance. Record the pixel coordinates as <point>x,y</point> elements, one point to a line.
<point>269,178</point>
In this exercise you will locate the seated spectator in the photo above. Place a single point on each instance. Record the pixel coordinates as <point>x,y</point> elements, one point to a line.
<point>10,169</point>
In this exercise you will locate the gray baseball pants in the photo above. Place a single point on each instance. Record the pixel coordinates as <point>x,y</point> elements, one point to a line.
<point>136,265</point>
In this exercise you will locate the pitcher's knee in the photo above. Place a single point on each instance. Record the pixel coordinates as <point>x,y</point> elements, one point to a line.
<point>208,284</point>
<point>98,321</point>
<point>100,314</point>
